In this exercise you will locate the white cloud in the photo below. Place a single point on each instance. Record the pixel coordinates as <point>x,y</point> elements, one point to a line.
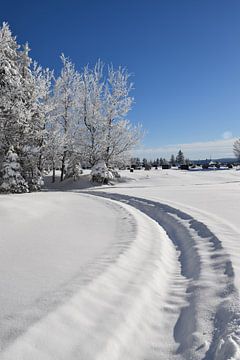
<point>198,150</point>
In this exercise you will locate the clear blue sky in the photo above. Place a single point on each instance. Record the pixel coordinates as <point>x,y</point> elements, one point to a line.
<point>184,54</point>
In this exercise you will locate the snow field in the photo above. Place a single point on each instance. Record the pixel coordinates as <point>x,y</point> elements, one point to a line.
<point>164,286</point>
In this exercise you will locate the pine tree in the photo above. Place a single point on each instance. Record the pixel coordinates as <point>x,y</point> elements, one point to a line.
<point>22,109</point>
<point>12,100</point>
<point>12,180</point>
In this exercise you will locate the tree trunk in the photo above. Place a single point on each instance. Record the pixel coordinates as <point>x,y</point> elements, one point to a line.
<point>53,174</point>
<point>63,166</point>
<point>40,165</point>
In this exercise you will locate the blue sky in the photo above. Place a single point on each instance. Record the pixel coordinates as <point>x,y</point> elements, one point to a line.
<point>185,57</point>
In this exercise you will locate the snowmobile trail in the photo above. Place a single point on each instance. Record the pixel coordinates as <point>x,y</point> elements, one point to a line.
<point>164,291</point>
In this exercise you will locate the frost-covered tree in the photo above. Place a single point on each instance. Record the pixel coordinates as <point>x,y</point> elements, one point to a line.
<point>13,121</point>
<point>65,99</point>
<point>236,149</point>
<point>12,180</point>
<point>36,86</point>
<point>54,147</point>
<point>22,107</point>
<point>45,106</point>
<point>104,102</point>
<point>92,127</point>
<point>117,104</point>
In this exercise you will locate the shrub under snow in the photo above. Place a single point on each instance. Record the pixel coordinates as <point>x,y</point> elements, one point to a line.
<point>100,173</point>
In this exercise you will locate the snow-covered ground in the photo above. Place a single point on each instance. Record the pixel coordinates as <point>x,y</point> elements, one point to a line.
<point>145,269</point>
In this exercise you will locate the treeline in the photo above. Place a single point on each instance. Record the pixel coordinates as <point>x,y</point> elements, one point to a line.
<point>177,160</point>
<point>49,123</point>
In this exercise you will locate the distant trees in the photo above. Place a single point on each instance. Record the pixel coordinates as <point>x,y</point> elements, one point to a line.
<point>178,160</point>
<point>49,123</point>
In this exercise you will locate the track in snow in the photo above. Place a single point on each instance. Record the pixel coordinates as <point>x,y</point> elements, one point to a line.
<point>209,326</point>
<point>144,299</point>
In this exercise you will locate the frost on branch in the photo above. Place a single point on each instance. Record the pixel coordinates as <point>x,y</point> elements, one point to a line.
<point>12,180</point>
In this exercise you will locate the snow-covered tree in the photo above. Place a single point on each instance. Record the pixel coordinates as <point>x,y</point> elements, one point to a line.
<point>36,86</point>
<point>117,104</point>
<point>65,98</point>
<point>54,147</point>
<point>92,130</point>
<point>22,106</point>
<point>236,149</point>
<point>45,107</point>
<point>12,180</point>
<point>13,121</point>
<point>106,134</point>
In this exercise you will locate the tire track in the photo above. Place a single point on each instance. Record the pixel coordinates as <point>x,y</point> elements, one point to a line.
<point>204,330</point>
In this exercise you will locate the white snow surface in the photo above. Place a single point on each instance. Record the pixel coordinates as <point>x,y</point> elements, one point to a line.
<point>146,269</point>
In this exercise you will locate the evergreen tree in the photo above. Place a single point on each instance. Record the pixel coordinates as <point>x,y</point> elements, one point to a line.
<point>13,123</point>
<point>180,158</point>
<point>21,107</point>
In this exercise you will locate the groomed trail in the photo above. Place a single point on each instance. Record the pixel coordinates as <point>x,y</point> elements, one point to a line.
<point>163,290</point>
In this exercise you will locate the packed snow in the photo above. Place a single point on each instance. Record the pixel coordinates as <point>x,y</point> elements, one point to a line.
<point>147,268</point>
